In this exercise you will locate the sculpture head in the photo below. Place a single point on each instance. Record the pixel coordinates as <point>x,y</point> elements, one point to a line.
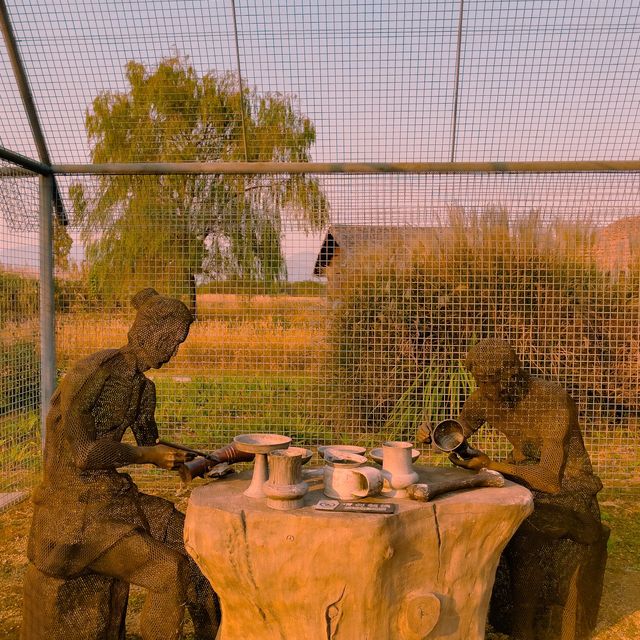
<point>159,328</point>
<point>497,370</point>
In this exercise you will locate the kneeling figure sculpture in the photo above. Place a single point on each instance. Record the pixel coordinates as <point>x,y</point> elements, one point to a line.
<point>549,583</point>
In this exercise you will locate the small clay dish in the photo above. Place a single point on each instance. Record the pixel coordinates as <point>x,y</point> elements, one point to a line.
<point>347,448</point>
<point>376,455</point>
<point>300,451</point>
<point>336,457</point>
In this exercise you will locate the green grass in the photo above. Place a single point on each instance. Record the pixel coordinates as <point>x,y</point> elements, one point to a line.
<point>624,521</point>
<point>209,411</point>
<point>20,450</point>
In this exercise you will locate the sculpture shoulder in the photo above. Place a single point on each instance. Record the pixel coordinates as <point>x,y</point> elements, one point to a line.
<point>550,393</point>
<point>477,403</point>
<point>88,373</point>
<point>548,386</point>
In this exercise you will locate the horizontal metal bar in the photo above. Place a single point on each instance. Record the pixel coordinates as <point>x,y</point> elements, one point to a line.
<point>167,168</point>
<point>17,172</point>
<point>24,162</point>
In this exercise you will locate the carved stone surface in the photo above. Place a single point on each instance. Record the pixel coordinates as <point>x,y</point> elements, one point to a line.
<point>427,569</point>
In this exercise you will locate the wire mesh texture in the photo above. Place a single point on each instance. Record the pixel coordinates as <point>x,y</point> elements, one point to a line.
<point>381,81</point>
<point>413,268</point>
<point>19,331</point>
<point>374,344</point>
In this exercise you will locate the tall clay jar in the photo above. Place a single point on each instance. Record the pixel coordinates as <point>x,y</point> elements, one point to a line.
<point>397,469</point>
<point>285,488</point>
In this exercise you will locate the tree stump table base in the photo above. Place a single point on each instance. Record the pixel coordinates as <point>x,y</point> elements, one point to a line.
<point>425,571</point>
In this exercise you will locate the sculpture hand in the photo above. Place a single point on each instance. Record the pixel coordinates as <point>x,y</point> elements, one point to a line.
<point>424,433</point>
<point>480,461</point>
<point>167,457</point>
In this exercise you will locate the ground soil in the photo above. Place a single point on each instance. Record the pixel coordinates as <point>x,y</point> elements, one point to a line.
<point>619,617</point>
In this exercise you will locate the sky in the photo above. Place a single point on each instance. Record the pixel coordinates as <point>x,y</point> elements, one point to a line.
<point>539,80</point>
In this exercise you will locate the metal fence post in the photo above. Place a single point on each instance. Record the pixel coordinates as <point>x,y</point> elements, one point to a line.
<point>47,317</point>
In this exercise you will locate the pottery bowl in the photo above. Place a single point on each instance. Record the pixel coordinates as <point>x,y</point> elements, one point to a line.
<point>377,454</point>
<point>261,442</point>
<point>347,448</point>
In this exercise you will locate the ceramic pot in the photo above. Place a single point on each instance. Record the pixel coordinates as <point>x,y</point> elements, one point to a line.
<point>346,477</point>
<point>397,469</point>
<point>369,482</point>
<point>448,436</point>
<point>285,488</point>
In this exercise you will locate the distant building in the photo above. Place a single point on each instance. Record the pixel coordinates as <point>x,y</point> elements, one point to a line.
<point>615,248</point>
<point>346,242</point>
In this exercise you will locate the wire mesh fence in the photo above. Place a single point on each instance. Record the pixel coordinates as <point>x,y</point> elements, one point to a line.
<point>19,330</point>
<point>381,81</point>
<point>331,307</point>
<point>547,261</point>
<point>355,330</point>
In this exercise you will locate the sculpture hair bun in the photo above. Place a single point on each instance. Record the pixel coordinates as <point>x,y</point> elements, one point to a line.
<point>143,296</point>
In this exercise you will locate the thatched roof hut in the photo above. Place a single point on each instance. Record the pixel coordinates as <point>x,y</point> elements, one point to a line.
<point>344,242</point>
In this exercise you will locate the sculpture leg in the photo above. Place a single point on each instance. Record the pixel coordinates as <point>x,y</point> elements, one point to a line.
<point>527,577</point>
<point>166,524</point>
<point>589,584</point>
<point>139,559</point>
<point>593,576</point>
<point>552,588</point>
<point>202,602</point>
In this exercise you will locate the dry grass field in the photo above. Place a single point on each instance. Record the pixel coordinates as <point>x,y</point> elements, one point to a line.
<point>236,333</point>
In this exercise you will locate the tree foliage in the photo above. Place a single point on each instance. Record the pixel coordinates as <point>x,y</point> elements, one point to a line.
<point>62,243</point>
<point>169,228</point>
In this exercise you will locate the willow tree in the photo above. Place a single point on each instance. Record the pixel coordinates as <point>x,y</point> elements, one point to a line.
<point>167,229</point>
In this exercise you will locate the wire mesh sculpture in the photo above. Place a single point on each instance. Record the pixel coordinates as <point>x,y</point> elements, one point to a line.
<point>549,583</point>
<point>93,532</point>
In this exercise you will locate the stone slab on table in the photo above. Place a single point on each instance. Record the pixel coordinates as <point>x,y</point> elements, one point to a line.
<point>425,571</point>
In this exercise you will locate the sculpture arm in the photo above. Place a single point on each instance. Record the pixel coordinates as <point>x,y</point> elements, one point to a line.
<point>89,452</point>
<point>546,474</point>
<point>145,429</point>
<point>472,416</point>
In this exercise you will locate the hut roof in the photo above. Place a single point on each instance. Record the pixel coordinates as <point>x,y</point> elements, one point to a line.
<point>350,239</point>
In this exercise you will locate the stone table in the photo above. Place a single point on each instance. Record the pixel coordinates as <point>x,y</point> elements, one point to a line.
<point>425,571</point>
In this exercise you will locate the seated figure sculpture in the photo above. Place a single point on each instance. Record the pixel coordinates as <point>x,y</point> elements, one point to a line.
<point>549,583</point>
<point>90,519</point>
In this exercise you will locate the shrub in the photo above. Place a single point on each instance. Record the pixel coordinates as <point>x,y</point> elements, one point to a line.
<point>18,297</point>
<point>404,317</point>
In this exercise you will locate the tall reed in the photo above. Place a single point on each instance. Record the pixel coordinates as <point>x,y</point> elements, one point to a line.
<point>404,317</point>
